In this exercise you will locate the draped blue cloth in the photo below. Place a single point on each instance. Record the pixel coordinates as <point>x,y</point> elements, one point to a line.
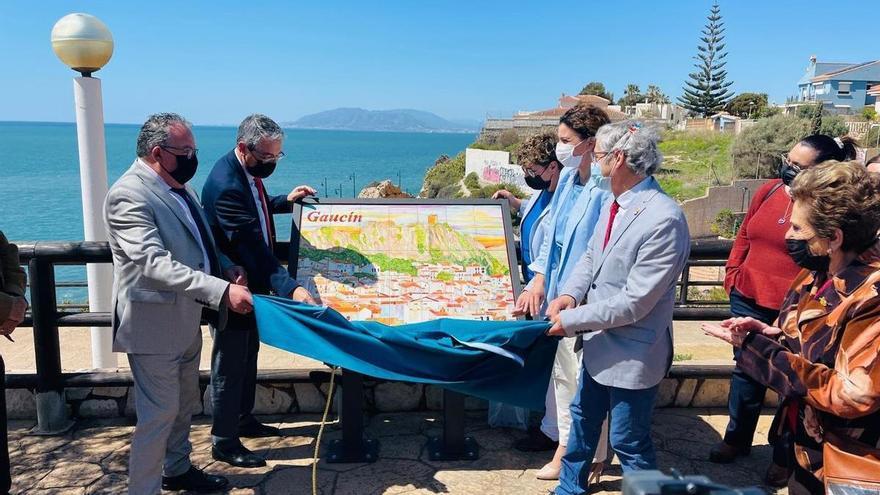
<point>506,361</point>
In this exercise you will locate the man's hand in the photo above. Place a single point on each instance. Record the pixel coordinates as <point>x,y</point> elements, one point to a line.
<point>561,303</point>
<point>238,298</point>
<point>7,327</point>
<point>236,275</point>
<point>556,329</point>
<point>300,192</point>
<point>19,307</point>
<point>301,294</point>
<point>515,202</point>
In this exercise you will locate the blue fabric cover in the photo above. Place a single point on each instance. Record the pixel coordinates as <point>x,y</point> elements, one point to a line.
<point>506,361</point>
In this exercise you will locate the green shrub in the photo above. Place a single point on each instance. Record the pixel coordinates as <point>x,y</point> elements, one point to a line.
<point>833,125</point>
<point>442,180</point>
<point>869,113</point>
<point>756,151</point>
<point>507,138</point>
<point>725,224</point>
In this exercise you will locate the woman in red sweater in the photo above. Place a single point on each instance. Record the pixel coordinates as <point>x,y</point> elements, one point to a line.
<point>759,272</point>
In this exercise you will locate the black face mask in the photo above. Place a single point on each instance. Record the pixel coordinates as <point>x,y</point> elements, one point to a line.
<point>262,169</point>
<point>801,255</point>
<point>186,168</point>
<point>788,172</point>
<point>537,182</point>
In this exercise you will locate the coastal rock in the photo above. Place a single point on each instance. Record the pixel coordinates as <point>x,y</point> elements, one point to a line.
<point>383,189</point>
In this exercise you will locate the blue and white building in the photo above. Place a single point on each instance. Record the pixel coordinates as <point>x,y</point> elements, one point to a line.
<point>841,87</point>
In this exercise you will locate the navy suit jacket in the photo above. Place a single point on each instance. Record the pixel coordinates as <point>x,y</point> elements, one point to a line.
<point>233,215</point>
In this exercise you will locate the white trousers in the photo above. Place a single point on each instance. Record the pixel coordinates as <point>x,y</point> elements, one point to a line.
<point>563,387</point>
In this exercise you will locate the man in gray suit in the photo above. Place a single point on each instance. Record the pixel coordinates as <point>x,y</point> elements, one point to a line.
<point>628,279</point>
<point>167,271</point>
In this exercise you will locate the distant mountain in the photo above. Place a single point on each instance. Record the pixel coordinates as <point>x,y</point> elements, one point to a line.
<point>359,119</point>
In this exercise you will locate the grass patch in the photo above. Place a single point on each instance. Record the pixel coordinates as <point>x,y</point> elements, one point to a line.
<point>698,159</point>
<point>679,357</point>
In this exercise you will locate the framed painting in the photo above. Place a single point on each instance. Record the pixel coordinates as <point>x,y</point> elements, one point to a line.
<point>402,261</point>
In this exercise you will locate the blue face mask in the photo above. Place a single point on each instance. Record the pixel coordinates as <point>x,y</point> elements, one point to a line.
<point>596,176</point>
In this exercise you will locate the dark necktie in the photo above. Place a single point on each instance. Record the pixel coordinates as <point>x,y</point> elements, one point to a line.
<point>203,232</point>
<point>262,192</point>
<point>615,206</point>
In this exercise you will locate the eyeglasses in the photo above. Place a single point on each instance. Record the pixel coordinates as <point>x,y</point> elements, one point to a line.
<point>265,157</point>
<point>787,161</point>
<point>187,152</point>
<point>531,173</point>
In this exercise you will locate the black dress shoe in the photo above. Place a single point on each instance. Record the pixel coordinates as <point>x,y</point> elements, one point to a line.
<point>237,455</point>
<point>724,453</point>
<point>258,430</point>
<point>537,441</point>
<point>194,480</point>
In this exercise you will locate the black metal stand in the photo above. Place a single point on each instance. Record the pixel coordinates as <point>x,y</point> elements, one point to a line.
<point>453,445</point>
<point>353,447</point>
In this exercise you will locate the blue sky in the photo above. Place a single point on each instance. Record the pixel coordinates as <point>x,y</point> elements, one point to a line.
<point>217,61</point>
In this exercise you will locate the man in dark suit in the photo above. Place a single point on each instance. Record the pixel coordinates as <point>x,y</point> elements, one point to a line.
<point>240,211</point>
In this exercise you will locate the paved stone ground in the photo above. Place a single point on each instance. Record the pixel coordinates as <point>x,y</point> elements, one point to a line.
<point>93,458</point>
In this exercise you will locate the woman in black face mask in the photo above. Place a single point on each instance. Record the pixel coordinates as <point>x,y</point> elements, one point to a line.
<point>821,355</point>
<point>757,275</point>
<point>537,156</point>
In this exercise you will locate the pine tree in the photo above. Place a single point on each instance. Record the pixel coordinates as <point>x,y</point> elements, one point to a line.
<point>707,90</point>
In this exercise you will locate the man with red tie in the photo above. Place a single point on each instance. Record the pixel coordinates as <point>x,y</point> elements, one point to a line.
<point>240,209</point>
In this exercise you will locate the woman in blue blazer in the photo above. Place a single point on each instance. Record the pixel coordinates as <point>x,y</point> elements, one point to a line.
<point>574,212</point>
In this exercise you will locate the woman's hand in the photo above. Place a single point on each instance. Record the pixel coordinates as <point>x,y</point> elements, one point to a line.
<point>532,297</point>
<point>515,202</point>
<point>729,333</point>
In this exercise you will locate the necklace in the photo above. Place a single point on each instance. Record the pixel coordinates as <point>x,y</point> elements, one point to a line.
<point>783,218</point>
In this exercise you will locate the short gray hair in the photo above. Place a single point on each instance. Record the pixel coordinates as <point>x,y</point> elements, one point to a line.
<point>254,128</point>
<point>156,130</point>
<point>637,141</point>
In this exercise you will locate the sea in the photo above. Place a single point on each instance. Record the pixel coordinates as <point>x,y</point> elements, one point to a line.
<point>40,197</point>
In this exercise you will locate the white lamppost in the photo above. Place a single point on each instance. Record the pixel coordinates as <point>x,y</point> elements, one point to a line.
<point>85,45</point>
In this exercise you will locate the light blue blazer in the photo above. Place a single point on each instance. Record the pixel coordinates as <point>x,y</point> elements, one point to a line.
<point>540,227</point>
<point>583,213</point>
<point>629,286</point>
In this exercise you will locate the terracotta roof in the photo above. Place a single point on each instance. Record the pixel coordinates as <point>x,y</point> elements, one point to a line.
<point>874,90</point>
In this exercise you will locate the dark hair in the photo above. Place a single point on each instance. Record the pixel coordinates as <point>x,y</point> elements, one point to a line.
<point>539,149</point>
<point>828,148</point>
<point>156,130</point>
<point>876,159</point>
<point>585,120</point>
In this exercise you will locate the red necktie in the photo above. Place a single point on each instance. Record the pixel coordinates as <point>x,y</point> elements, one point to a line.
<point>259,183</point>
<point>614,207</point>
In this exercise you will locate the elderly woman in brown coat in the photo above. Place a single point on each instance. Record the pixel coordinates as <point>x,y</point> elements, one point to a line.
<point>823,355</point>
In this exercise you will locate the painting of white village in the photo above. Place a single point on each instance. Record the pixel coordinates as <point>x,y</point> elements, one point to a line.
<point>404,263</point>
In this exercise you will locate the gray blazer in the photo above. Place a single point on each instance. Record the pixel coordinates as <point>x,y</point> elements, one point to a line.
<point>626,323</point>
<point>158,292</point>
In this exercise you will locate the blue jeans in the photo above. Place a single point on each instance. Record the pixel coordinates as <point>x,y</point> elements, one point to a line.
<point>746,395</point>
<point>629,431</point>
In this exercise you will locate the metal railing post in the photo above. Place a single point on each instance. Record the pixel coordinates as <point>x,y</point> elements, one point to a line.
<point>52,418</point>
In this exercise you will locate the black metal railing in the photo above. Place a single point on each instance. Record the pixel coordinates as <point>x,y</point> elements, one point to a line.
<point>46,316</point>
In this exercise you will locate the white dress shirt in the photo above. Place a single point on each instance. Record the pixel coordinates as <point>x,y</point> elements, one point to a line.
<point>264,223</point>
<point>193,227</point>
<point>625,201</point>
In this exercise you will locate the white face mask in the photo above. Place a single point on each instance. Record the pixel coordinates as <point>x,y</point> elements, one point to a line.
<point>565,154</point>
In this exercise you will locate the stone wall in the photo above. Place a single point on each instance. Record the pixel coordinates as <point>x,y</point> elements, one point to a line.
<point>701,212</point>
<point>292,398</point>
